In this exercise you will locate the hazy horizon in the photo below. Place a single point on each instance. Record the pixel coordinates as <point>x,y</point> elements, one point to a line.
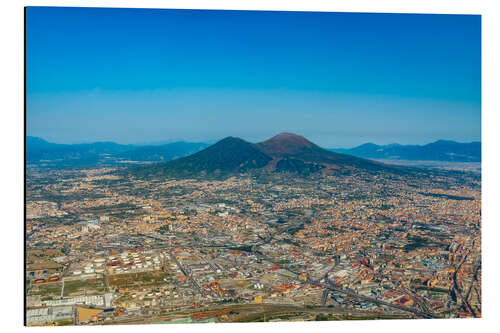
<point>167,141</point>
<point>339,79</point>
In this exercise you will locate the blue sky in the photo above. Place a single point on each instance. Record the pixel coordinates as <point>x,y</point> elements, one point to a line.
<point>340,79</point>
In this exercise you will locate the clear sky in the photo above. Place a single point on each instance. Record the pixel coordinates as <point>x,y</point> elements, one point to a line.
<point>340,79</point>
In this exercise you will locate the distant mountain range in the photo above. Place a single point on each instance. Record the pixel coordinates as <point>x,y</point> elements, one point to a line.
<point>285,152</point>
<point>442,150</point>
<point>164,152</point>
<point>40,151</point>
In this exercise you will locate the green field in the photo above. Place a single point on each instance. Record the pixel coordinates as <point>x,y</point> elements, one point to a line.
<point>138,279</point>
<point>82,287</point>
<point>46,289</point>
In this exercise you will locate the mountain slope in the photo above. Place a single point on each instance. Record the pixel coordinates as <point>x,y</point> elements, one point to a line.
<point>291,152</point>
<point>442,150</point>
<point>228,156</point>
<point>283,153</point>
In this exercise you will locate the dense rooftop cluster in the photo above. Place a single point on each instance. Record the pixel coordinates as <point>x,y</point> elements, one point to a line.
<point>273,246</point>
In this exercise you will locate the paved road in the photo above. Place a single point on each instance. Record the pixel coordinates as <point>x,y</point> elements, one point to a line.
<point>193,282</point>
<point>328,285</point>
<point>324,297</point>
<point>420,300</point>
<point>465,300</point>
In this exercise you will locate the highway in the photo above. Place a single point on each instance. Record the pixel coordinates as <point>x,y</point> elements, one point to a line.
<point>193,282</point>
<point>465,299</point>
<point>324,297</point>
<point>327,285</point>
<point>420,300</point>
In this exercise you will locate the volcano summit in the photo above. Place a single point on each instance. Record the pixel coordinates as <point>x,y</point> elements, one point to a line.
<point>285,152</point>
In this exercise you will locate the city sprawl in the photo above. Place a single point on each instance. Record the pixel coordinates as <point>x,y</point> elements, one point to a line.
<point>104,248</point>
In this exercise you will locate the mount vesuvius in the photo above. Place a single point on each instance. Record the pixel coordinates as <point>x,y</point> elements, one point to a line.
<point>285,152</point>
